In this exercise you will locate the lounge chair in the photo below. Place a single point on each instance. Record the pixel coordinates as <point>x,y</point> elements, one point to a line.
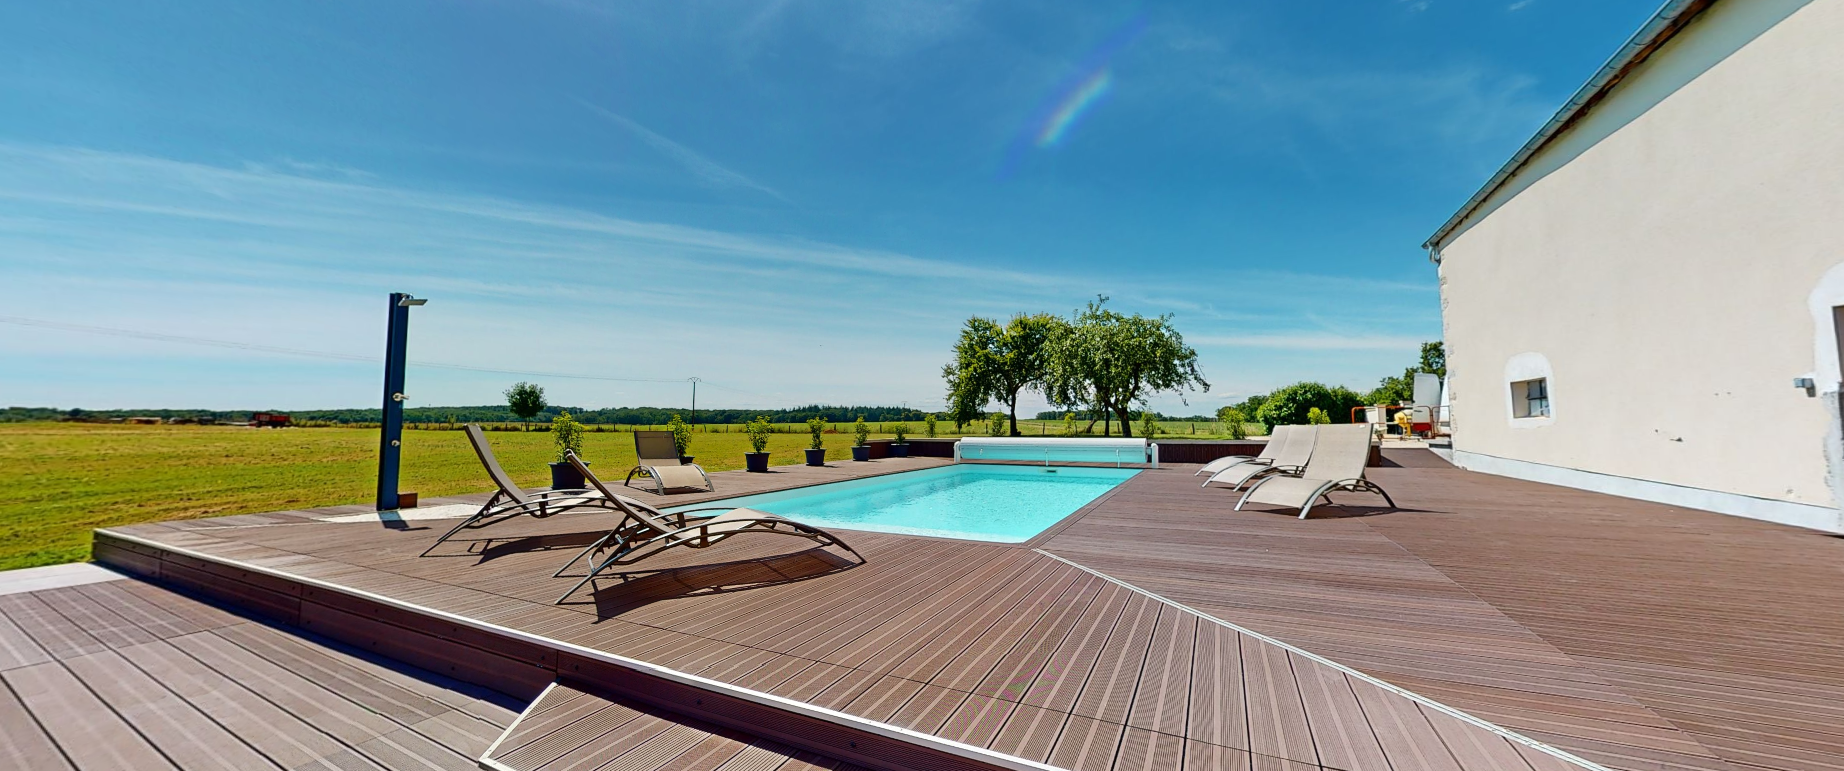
<point>659,461</point>
<point>511,500</point>
<point>1339,456</point>
<point>646,531</point>
<point>1276,442</point>
<point>1288,459</point>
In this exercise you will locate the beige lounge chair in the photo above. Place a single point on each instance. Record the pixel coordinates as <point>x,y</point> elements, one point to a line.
<point>659,462</point>
<point>1339,456</point>
<point>645,531</point>
<point>1288,459</point>
<point>511,500</point>
<point>1276,442</point>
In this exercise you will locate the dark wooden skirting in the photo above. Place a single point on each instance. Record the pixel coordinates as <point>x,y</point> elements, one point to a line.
<point>931,448</point>
<point>1187,451</point>
<point>515,664</point>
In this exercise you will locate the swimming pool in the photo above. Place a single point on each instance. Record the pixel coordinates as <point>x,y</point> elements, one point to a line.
<point>1002,504</point>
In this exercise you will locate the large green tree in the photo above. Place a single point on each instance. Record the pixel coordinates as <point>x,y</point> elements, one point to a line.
<point>1399,390</point>
<point>1112,361</point>
<point>996,363</point>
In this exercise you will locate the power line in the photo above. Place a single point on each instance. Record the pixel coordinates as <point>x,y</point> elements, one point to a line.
<point>237,345</point>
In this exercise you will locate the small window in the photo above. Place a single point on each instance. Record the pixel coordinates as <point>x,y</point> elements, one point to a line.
<point>1530,398</point>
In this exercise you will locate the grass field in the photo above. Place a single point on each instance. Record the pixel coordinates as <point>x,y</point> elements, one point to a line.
<point>58,481</point>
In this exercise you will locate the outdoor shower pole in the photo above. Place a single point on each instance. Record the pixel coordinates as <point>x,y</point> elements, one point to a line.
<point>390,434</point>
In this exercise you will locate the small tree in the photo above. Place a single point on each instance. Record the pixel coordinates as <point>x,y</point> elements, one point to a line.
<point>525,400</point>
<point>1069,423</point>
<point>1234,422</point>
<point>759,430</point>
<point>928,426</point>
<point>816,427</point>
<point>1149,424</point>
<point>861,433</point>
<point>681,434</point>
<point>1317,417</point>
<point>567,434</point>
<point>995,425</point>
<point>901,431</point>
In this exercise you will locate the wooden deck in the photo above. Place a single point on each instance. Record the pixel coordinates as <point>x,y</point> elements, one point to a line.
<point>126,675</point>
<point>1633,635</point>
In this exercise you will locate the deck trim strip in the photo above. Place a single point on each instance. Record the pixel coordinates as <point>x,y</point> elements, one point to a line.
<point>486,758</point>
<point>804,709</point>
<point>1348,671</point>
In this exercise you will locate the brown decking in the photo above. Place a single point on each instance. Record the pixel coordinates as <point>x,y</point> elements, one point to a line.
<point>126,675</point>
<point>576,726</point>
<point>1636,635</point>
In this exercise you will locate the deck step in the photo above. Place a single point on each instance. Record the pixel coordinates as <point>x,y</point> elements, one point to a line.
<point>575,725</point>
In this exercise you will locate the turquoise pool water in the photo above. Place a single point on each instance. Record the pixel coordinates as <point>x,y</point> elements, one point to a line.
<point>1003,504</point>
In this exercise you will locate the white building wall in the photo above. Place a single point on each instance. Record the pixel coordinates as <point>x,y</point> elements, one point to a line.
<point>1662,259</point>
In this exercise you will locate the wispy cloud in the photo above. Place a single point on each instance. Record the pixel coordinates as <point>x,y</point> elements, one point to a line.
<point>301,258</point>
<point>1519,5</point>
<point>707,170</point>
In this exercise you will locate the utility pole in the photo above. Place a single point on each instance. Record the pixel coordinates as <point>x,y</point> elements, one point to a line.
<point>694,382</point>
<point>390,434</point>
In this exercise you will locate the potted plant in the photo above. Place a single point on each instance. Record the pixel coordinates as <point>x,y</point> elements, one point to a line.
<point>567,435</point>
<point>900,447</point>
<point>758,438</point>
<point>816,450</point>
<point>861,433</point>
<point>681,437</point>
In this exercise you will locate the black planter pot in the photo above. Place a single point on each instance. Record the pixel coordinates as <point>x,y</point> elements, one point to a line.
<point>899,449</point>
<point>686,459</point>
<point>816,457</point>
<point>861,453</point>
<point>756,462</point>
<point>565,477</point>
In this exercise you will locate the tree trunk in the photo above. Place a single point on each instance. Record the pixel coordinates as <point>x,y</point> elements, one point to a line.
<point>1126,422</point>
<point>1012,410</point>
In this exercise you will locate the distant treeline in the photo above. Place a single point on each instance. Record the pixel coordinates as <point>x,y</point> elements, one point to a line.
<point>489,414</point>
<point>1085,415</point>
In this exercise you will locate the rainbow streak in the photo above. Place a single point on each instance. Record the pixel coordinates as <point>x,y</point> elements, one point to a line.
<point>1078,101</point>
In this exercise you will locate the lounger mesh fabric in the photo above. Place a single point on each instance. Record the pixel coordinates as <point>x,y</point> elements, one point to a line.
<point>1289,458</point>
<point>660,464</point>
<point>1276,443</point>
<point>510,500</point>
<point>1339,455</point>
<point>645,531</point>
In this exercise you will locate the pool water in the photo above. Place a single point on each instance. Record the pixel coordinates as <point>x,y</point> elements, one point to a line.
<point>1002,504</point>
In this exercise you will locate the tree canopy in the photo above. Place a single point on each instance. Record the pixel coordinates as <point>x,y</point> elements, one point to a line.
<point>1399,390</point>
<point>996,363</point>
<point>525,400</point>
<point>1110,361</point>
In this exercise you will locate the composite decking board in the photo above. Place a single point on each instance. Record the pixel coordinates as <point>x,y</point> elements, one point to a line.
<point>968,669</point>
<point>1630,632</point>
<point>1278,725</point>
<point>1218,712</point>
<point>23,743</point>
<point>18,649</point>
<point>186,736</point>
<point>1011,677</point>
<point>57,635</point>
<point>89,733</point>
<point>277,734</point>
<point>1596,579</point>
<point>1341,731</point>
<point>1163,695</point>
<point>104,624</point>
<point>928,661</point>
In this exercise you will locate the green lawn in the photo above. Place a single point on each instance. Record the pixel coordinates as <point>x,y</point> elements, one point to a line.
<point>58,481</point>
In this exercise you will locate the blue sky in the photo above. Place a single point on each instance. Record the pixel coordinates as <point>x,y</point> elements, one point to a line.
<point>796,201</point>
